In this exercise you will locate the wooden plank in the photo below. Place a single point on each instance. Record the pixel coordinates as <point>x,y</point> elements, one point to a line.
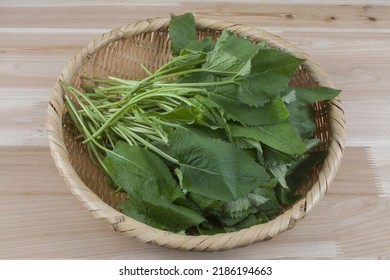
<point>45,42</point>
<point>61,3</point>
<point>23,117</point>
<point>262,15</point>
<point>379,158</point>
<point>331,17</point>
<point>93,16</point>
<point>29,171</point>
<point>30,72</point>
<point>356,161</point>
<point>367,123</point>
<point>362,226</point>
<point>75,3</point>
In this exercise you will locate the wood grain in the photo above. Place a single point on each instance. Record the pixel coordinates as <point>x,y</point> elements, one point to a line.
<point>41,219</point>
<point>379,158</point>
<point>264,15</point>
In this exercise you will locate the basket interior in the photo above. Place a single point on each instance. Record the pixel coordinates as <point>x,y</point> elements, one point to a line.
<point>122,58</point>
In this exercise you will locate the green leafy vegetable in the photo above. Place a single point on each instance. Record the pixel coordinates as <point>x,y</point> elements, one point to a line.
<point>151,188</point>
<point>215,140</point>
<point>270,68</point>
<point>140,172</point>
<point>182,32</point>
<point>281,136</point>
<point>214,168</point>
<point>160,213</point>
<point>230,54</point>
<point>310,95</point>
<point>273,112</point>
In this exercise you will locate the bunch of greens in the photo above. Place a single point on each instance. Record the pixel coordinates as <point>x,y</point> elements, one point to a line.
<point>213,141</point>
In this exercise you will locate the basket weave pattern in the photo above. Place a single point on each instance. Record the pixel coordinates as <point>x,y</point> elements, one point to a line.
<point>119,53</point>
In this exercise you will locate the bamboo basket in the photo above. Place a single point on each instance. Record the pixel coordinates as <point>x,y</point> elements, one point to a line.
<point>119,53</point>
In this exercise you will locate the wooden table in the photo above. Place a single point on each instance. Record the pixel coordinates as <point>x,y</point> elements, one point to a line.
<point>41,219</point>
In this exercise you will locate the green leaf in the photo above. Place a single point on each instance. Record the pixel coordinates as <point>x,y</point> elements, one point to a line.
<point>301,170</point>
<point>213,168</point>
<point>186,60</point>
<point>262,202</point>
<point>151,188</point>
<point>248,144</point>
<point>269,73</point>
<point>274,157</point>
<point>140,172</point>
<point>230,54</point>
<point>210,228</point>
<point>161,213</point>
<point>204,45</point>
<point>311,95</point>
<point>205,202</point>
<point>211,111</point>
<point>245,202</point>
<point>301,116</point>
<point>181,114</point>
<point>182,30</point>
<point>301,112</point>
<point>280,172</point>
<point>197,77</point>
<point>285,196</point>
<point>206,131</point>
<point>296,175</point>
<point>274,111</point>
<point>281,136</point>
<point>249,221</point>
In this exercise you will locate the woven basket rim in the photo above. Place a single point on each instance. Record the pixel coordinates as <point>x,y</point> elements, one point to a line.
<point>148,234</point>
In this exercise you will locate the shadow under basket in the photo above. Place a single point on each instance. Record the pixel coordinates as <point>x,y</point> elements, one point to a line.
<point>119,53</point>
